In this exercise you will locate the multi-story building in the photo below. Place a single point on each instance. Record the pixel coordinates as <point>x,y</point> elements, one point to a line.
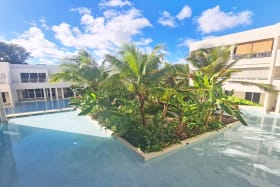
<point>258,51</point>
<point>25,82</point>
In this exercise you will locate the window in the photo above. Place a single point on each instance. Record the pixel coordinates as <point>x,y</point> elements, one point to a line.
<point>256,97</point>
<point>53,92</point>
<point>4,97</point>
<point>243,49</point>
<point>31,93</point>
<point>68,93</point>
<point>254,49</point>
<point>25,94</point>
<point>253,96</point>
<point>42,77</point>
<point>33,77</point>
<point>39,93</point>
<point>24,77</point>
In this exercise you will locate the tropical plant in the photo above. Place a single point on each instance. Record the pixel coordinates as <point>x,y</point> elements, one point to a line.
<point>149,105</point>
<point>134,69</point>
<point>213,70</point>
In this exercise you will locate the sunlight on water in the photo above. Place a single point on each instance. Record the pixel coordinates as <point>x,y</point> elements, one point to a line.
<point>65,150</point>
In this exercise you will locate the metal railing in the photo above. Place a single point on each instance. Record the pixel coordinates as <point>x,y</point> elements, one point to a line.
<point>249,78</point>
<point>253,55</point>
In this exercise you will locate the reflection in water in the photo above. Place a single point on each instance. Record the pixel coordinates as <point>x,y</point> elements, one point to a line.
<point>243,156</point>
<point>38,106</point>
<point>8,174</point>
<point>256,146</point>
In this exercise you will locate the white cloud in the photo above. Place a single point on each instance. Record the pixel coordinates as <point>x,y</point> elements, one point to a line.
<point>187,42</point>
<point>186,12</point>
<point>34,41</point>
<point>167,19</point>
<point>44,23</point>
<point>181,61</point>
<point>2,38</point>
<point>81,10</point>
<point>213,19</point>
<point>114,3</point>
<point>104,32</point>
<point>144,41</point>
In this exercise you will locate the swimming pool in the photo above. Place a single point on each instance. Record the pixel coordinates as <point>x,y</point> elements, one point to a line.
<point>33,106</point>
<point>36,156</point>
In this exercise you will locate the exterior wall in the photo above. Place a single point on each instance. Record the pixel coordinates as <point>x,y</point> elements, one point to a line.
<point>12,85</point>
<point>262,99</point>
<point>239,94</point>
<point>263,67</point>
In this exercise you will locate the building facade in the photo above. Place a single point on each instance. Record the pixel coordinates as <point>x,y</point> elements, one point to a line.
<point>25,82</point>
<point>258,51</point>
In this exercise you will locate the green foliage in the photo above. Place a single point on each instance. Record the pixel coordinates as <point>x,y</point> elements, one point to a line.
<point>243,101</point>
<point>149,105</point>
<point>13,53</point>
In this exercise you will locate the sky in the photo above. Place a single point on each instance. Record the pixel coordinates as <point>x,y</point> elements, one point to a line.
<point>54,29</point>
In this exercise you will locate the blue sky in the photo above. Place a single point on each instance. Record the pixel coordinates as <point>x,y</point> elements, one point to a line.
<point>54,29</point>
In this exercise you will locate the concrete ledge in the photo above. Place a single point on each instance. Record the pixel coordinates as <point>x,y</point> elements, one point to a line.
<point>184,143</point>
<point>38,112</point>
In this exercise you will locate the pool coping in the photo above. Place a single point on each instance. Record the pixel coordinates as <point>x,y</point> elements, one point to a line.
<point>175,147</point>
<point>23,114</point>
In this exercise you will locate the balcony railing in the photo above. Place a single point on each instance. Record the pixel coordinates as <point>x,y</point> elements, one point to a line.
<point>253,55</point>
<point>249,78</point>
<point>31,80</point>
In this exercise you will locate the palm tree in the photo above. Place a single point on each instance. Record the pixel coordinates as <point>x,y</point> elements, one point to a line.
<point>214,62</point>
<point>213,71</point>
<point>81,70</point>
<point>86,77</point>
<point>135,69</point>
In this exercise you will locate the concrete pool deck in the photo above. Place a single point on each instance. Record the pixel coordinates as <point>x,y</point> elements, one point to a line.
<point>39,112</point>
<point>52,120</point>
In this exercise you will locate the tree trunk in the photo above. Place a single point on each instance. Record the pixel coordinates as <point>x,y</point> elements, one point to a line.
<point>221,116</point>
<point>165,109</point>
<point>142,105</point>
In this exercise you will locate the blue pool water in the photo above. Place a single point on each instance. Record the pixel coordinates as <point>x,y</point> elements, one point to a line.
<point>35,156</point>
<point>38,106</point>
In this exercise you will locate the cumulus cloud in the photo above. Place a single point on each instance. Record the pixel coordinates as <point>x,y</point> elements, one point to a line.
<point>114,3</point>
<point>181,61</point>
<point>43,23</point>
<point>186,12</point>
<point>144,41</point>
<point>101,33</point>
<point>81,10</point>
<point>34,41</point>
<point>186,42</point>
<point>213,19</point>
<point>167,19</point>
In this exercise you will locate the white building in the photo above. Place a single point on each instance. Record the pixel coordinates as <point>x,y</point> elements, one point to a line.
<point>25,82</point>
<point>261,48</point>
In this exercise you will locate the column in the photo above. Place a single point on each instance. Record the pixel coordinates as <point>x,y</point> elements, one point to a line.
<point>268,99</point>
<point>56,93</point>
<point>277,108</point>
<point>45,94</point>
<point>62,93</point>
<point>50,90</point>
<point>2,110</point>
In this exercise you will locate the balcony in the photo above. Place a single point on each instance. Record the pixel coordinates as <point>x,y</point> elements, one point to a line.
<point>253,55</point>
<point>250,79</point>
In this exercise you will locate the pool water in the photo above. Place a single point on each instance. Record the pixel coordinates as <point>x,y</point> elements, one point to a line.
<point>31,155</point>
<point>33,106</point>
